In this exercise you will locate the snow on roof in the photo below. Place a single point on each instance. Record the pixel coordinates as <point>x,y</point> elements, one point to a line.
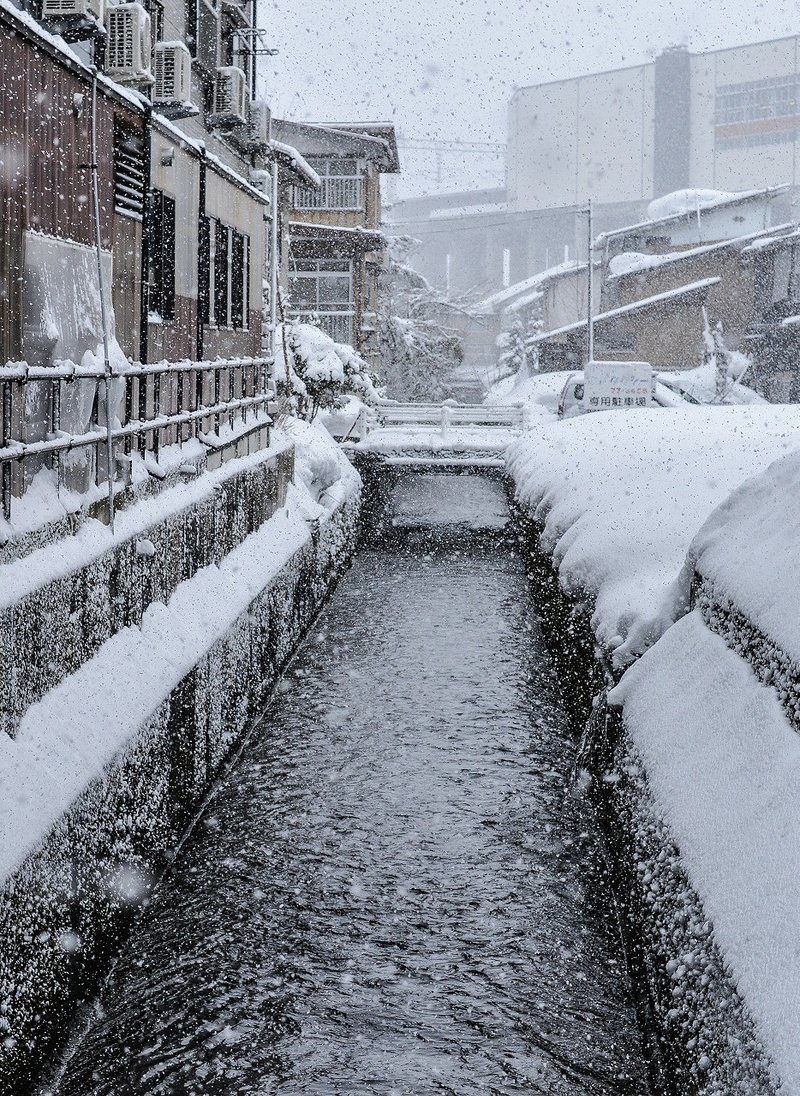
<point>375,143</point>
<point>774,238</point>
<point>705,201</point>
<point>57,44</point>
<point>634,262</point>
<point>636,306</point>
<point>467,211</point>
<point>524,301</point>
<point>296,161</point>
<point>491,304</point>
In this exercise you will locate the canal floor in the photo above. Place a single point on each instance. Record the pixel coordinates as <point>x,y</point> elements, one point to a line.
<point>396,889</point>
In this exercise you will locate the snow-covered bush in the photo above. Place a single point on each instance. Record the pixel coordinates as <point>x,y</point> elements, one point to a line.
<point>314,372</point>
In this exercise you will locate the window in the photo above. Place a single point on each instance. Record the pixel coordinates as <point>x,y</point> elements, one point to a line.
<point>225,275</point>
<point>222,263</point>
<point>342,185</point>
<point>321,291</point>
<point>758,112</point>
<point>237,279</point>
<point>161,257</point>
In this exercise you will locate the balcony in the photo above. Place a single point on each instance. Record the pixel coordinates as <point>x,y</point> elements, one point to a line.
<point>337,192</point>
<point>338,325</point>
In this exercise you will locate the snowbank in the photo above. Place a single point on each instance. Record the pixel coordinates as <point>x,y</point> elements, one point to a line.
<point>539,393</point>
<point>749,549</point>
<point>66,739</point>
<point>700,382</point>
<point>622,494</point>
<point>723,765</point>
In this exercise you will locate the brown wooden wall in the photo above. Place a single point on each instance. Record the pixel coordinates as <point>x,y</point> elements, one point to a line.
<point>43,186</point>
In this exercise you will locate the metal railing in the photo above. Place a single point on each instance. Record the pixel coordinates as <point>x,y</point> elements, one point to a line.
<point>336,192</point>
<point>444,415</point>
<point>47,412</point>
<point>338,325</point>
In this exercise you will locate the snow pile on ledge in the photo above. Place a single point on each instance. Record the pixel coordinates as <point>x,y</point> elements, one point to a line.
<point>749,548</point>
<point>621,494</point>
<point>432,439</point>
<point>723,765</point>
<point>68,737</point>
<point>690,200</point>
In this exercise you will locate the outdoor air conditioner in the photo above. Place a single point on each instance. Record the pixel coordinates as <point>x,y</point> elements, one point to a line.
<point>259,122</point>
<point>231,101</point>
<point>85,11</point>
<point>128,44</point>
<point>172,68</point>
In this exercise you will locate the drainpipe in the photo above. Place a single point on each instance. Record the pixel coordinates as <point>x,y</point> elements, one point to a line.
<point>203,258</point>
<point>144,304</point>
<point>273,263</point>
<point>103,310</point>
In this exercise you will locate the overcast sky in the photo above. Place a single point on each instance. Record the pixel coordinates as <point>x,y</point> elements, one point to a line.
<point>446,69</point>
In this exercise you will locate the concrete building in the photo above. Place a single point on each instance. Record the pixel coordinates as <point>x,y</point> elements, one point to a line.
<point>724,119</point>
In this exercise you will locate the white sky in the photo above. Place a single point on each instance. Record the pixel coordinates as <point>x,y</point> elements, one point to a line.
<point>446,68</point>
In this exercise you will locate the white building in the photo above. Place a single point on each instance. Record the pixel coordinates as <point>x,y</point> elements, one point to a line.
<point>727,119</point>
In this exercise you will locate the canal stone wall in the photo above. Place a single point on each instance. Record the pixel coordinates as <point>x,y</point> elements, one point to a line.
<point>703,1040</point>
<point>51,629</point>
<point>66,907</point>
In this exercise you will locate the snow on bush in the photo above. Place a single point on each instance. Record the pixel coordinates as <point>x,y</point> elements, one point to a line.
<point>314,372</point>
<point>621,494</point>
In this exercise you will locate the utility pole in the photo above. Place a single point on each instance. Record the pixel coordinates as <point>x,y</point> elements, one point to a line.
<point>589,286</point>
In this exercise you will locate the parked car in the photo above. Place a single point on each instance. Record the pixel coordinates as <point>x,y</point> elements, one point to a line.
<point>571,400</point>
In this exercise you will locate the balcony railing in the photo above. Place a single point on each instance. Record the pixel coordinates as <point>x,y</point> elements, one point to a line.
<point>339,325</point>
<point>336,192</point>
<point>46,413</point>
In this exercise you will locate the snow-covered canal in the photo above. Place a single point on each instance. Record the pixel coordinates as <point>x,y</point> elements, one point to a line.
<point>395,889</point>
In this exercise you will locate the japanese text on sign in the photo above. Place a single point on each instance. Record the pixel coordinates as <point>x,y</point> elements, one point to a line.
<point>617,385</point>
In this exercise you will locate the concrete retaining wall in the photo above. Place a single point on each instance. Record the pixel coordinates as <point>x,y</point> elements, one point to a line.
<point>701,1038</point>
<point>65,910</point>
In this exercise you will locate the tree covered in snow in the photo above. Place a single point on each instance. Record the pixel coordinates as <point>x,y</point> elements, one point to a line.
<point>313,372</point>
<point>519,352</point>
<point>420,348</point>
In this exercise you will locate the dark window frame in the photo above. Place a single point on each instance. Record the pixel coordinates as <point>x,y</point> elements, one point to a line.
<point>161,256</point>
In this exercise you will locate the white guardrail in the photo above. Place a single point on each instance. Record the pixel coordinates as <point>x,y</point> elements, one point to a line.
<point>444,415</point>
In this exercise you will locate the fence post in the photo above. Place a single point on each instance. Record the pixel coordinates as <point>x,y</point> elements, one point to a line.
<point>5,487</point>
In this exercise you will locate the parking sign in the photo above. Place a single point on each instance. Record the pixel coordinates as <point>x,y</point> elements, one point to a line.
<point>617,385</point>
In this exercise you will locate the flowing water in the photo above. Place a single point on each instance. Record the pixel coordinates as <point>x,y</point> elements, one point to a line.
<point>395,889</point>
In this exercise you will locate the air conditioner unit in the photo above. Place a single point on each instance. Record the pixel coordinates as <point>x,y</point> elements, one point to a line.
<point>128,44</point>
<point>231,100</point>
<point>66,11</point>
<point>259,123</point>
<point>172,69</point>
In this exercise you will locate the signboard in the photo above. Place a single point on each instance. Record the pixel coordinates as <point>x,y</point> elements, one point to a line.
<point>617,385</point>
